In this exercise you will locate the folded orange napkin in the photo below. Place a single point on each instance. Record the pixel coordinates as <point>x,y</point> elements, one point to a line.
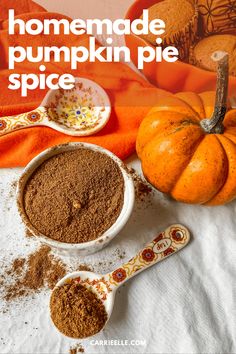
<point>130,94</point>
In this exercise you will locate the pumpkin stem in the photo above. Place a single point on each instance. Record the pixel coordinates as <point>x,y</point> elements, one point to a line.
<point>214,125</point>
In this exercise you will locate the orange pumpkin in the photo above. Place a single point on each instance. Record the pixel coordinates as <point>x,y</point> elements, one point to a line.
<point>187,155</point>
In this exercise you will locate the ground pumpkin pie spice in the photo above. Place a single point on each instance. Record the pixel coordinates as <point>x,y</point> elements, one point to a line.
<point>77,349</point>
<point>74,197</point>
<point>76,311</point>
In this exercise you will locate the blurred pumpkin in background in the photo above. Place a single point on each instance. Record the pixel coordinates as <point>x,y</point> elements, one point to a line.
<point>201,53</point>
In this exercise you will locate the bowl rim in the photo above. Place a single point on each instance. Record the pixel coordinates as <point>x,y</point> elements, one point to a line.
<point>109,234</point>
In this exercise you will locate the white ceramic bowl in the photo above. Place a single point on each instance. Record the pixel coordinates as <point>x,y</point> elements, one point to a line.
<point>90,247</point>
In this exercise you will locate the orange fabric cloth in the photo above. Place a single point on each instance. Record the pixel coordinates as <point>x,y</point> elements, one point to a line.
<point>131,96</point>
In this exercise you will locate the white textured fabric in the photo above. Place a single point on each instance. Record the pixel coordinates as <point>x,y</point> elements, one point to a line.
<point>186,304</point>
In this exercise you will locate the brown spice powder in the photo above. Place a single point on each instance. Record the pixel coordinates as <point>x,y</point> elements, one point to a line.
<point>42,269</point>
<point>12,190</point>
<point>75,196</point>
<point>18,265</point>
<point>28,233</point>
<point>142,187</point>
<point>76,311</point>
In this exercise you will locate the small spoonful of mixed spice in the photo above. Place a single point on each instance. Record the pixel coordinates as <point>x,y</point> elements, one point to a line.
<point>82,302</point>
<point>81,111</point>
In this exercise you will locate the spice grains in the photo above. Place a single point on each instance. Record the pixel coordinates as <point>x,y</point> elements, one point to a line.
<point>75,196</point>
<point>76,311</point>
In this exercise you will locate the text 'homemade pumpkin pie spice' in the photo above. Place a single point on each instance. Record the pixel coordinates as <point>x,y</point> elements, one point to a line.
<point>76,311</point>
<point>75,196</point>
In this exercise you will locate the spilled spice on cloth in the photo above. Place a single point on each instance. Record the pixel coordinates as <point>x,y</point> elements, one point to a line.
<point>12,190</point>
<point>17,266</point>
<point>28,233</point>
<point>42,269</point>
<point>120,254</point>
<point>14,184</point>
<point>104,266</point>
<point>76,311</point>
<point>84,267</point>
<point>75,196</point>
<point>77,349</point>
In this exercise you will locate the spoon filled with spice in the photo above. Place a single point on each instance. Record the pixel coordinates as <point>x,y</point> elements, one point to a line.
<point>82,302</point>
<point>81,111</point>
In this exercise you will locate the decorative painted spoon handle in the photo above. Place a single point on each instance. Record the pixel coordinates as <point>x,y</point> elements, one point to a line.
<point>165,244</point>
<point>24,120</point>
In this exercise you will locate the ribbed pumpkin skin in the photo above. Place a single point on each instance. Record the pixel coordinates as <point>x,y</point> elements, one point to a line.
<point>180,159</point>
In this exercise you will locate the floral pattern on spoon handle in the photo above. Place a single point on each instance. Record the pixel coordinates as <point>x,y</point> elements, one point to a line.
<point>165,244</point>
<point>11,123</point>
